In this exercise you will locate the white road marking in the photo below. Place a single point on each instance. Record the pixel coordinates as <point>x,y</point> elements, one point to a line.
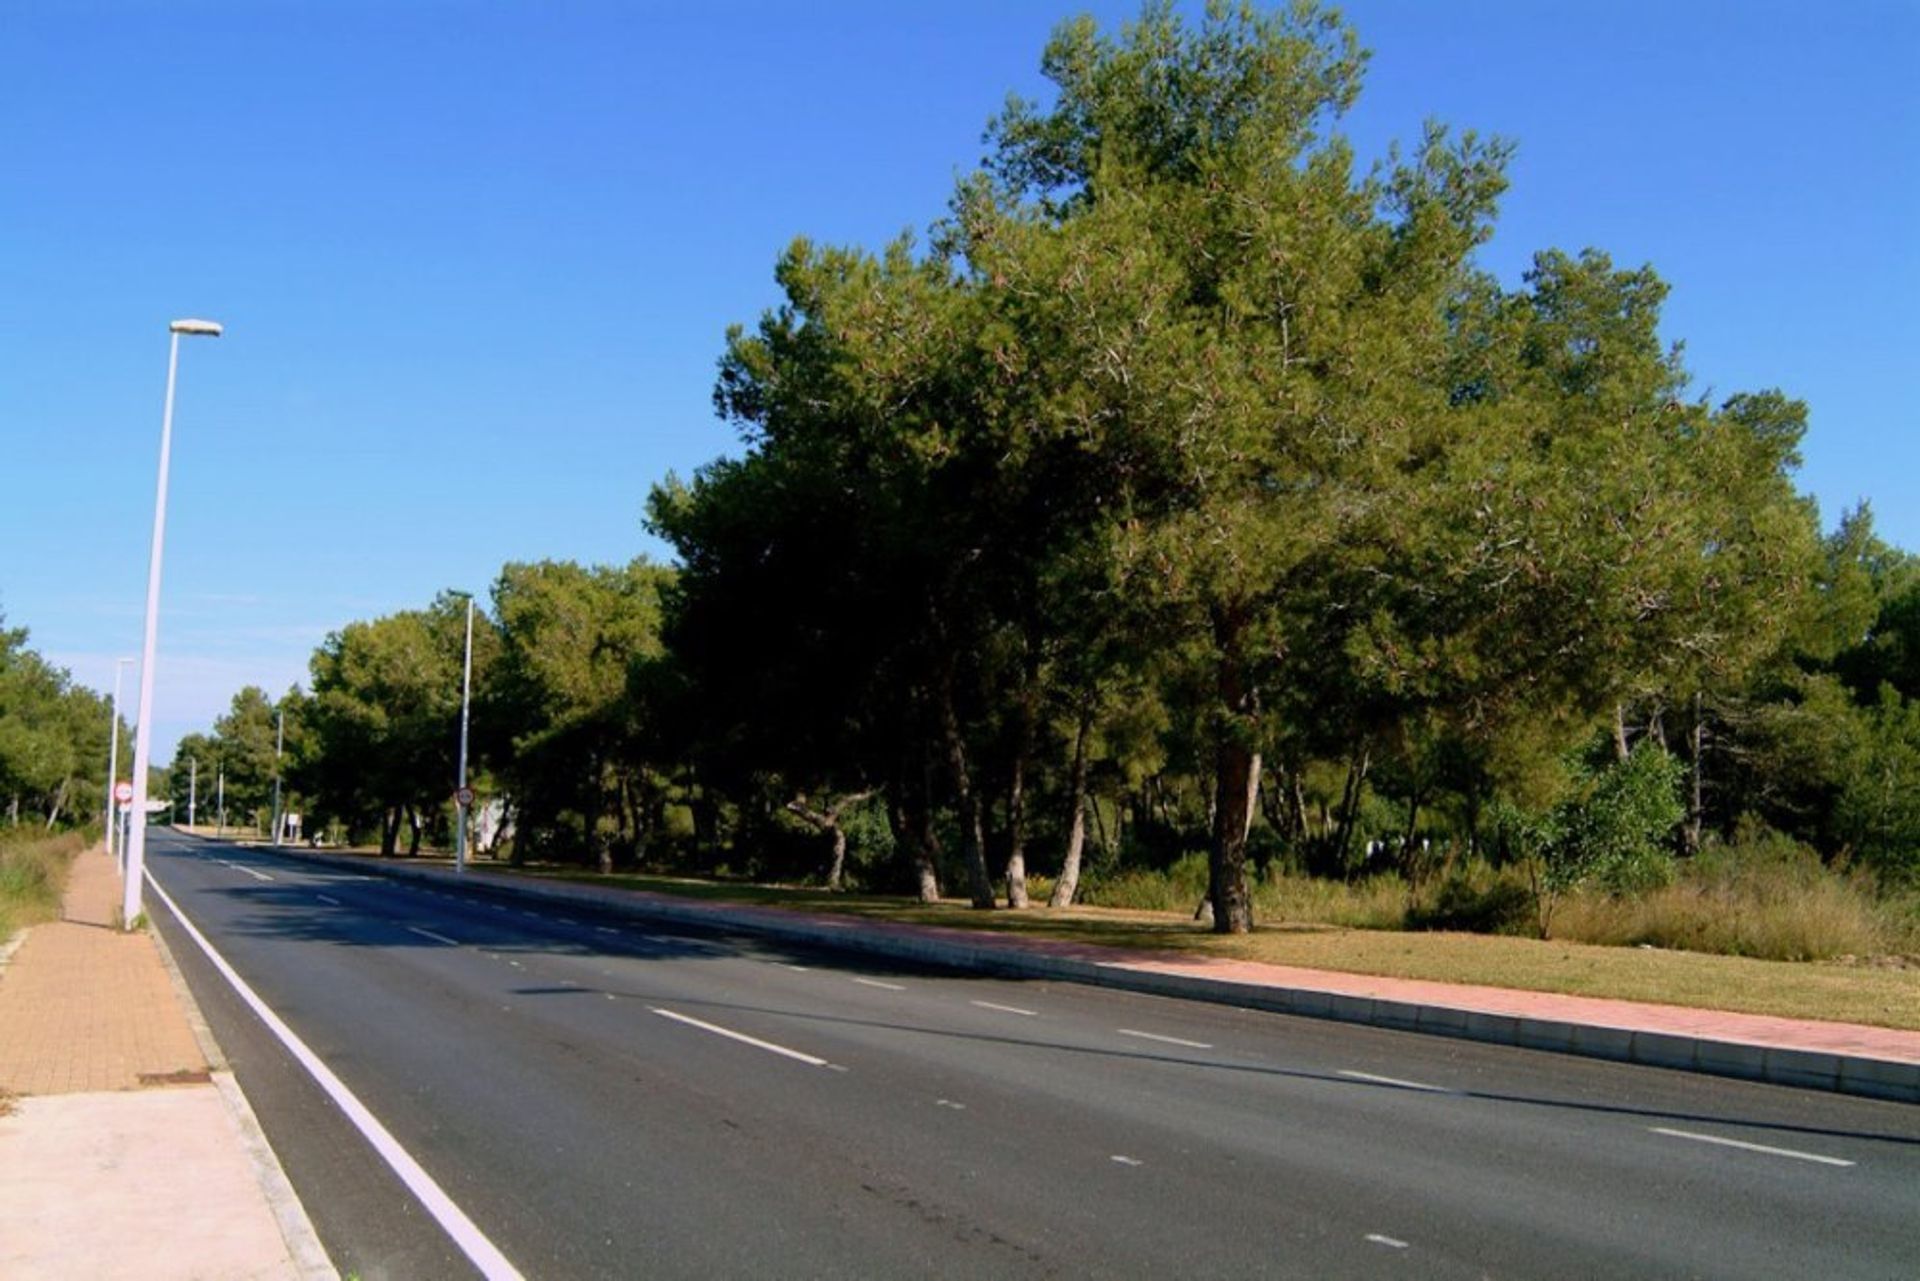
<point>1748,1147</point>
<point>949,1103</point>
<point>429,934</point>
<point>566,920</point>
<point>1394,1080</point>
<point>242,867</point>
<point>1170,1040</point>
<point>1117,1159</point>
<point>1378,1239</point>
<point>472,1242</point>
<point>741,1037</point>
<point>330,902</point>
<point>891,987</point>
<point>1005,1009</point>
<point>604,929</point>
<point>797,969</point>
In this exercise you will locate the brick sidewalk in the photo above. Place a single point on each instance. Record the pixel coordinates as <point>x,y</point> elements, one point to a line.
<point>122,1118</point>
<point>86,1007</point>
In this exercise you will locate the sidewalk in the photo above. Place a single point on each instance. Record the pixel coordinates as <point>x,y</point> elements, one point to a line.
<point>127,1151</point>
<point>1846,1057</point>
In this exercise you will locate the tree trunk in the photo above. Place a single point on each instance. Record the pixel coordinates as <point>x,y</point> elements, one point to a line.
<point>1620,731</point>
<point>1017,793</point>
<point>59,800</point>
<point>1696,789</point>
<point>973,846</point>
<point>1068,883</point>
<point>413,832</point>
<point>1350,805</point>
<point>910,815</point>
<point>1236,783</point>
<point>389,831</point>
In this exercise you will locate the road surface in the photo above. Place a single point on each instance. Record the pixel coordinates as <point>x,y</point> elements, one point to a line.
<point>598,1097</point>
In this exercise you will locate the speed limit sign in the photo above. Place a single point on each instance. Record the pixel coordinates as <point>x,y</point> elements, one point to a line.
<point>123,792</point>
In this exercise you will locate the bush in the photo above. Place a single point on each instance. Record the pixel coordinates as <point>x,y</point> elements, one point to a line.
<point>33,872</point>
<point>1478,900</point>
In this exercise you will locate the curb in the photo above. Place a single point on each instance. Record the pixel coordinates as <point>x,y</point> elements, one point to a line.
<point>308,1256</point>
<point>1877,1078</point>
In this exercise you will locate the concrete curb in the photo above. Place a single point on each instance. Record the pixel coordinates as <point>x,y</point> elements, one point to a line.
<point>309,1257</point>
<point>937,945</point>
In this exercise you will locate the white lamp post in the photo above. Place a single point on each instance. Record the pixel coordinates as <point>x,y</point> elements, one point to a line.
<point>463,803</point>
<point>113,751</point>
<point>143,739</point>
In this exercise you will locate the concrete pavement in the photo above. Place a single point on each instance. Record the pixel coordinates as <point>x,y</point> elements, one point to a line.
<point>126,1149</point>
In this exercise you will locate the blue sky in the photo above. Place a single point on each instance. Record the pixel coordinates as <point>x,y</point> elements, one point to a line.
<point>476,260</point>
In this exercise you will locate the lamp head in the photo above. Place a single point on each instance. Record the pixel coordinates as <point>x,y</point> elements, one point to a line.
<point>206,328</point>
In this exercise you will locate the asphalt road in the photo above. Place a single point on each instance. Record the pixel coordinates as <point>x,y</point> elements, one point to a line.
<point>603,1098</point>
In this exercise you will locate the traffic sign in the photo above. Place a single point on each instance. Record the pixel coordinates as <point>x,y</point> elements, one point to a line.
<point>464,796</point>
<point>123,792</point>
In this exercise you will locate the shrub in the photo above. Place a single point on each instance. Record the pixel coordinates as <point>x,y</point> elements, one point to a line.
<point>1478,900</point>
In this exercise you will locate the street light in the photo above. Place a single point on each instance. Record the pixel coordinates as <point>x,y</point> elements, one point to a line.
<point>143,738</point>
<point>113,752</point>
<point>279,741</point>
<point>462,799</point>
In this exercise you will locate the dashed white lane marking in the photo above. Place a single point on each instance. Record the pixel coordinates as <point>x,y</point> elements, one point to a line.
<point>741,1037</point>
<point>1379,1239</point>
<point>1005,1009</point>
<point>891,987</point>
<point>1170,1040</point>
<point>472,1242</point>
<point>429,934</point>
<point>604,929</point>
<point>242,867</point>
<point>566,920</point>
<point>497,907</point>
<point>1117,1159</point>
<point>1749,1147</point>
<point>797,969</point>
<point>949,1103</point>
<point>1394,1080</point>
<point>330,902</point>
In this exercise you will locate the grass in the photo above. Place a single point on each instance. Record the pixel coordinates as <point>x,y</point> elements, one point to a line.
<point>33,872</point>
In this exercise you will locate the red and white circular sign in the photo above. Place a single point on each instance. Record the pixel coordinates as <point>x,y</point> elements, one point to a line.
<point>123,792</point>
<point>464,796</point>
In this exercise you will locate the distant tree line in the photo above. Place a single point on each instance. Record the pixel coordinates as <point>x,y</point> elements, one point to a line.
<point>1192,488</point>
<point>53,741</point>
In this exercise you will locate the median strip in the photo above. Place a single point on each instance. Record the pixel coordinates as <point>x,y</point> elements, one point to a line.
<point>741,1037</point>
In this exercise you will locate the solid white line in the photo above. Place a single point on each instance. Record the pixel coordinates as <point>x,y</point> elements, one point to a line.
<point>741,1037</point>
<point>472,1242</point>
<point>1005,1009</point>
<point>429,934</point>
<point>1378,1239</point>
<point>1748,1147</point>
<point>1170,1040</point>
<point>1394,1080</point>
<point>330,902</point>
<point>891,987</point>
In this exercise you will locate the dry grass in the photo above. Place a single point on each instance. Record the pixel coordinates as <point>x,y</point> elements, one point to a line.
<point>33,873</point>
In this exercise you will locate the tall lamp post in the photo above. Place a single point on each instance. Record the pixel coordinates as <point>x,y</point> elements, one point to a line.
<point>113,751</point>
<point>143,738</point>
<point>462,798</point>
<point>193,784</point>
<point>279,742</point>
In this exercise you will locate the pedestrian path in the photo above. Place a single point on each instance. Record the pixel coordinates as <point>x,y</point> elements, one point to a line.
<point>114,1112</point>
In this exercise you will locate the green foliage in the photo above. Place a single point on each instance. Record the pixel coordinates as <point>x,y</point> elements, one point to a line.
<point>53,740</point>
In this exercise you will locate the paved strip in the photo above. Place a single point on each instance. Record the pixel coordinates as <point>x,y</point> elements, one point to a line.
<point>741,1037</point>
<point>1748,1147</point>
<point>473,1243</point>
